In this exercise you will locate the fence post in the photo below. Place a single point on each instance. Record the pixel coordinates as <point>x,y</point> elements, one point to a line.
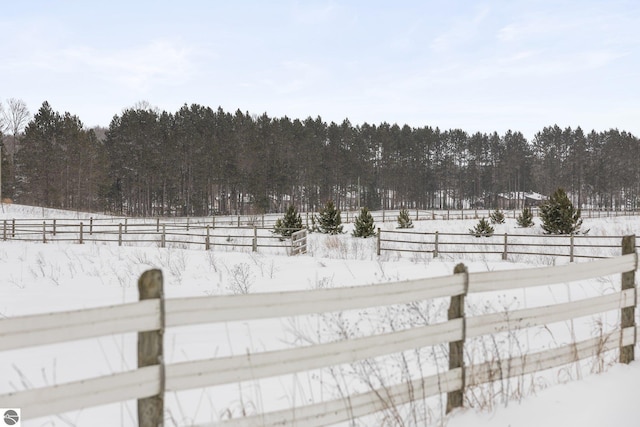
<point>207,241</point>
<point>91,226</point>
<point>456,348</point>
<point>163,238</point>
<point>571,248</point>
<point>126,225</point>
<point>255,239</point>
<point>187,223</point>
<point>4,230</point>
<point>120,234</point>
<point>13,228</point>
<point>158,225</point>
<point>81,231</point>
<point>379,232</point>
<point>150,351</point>
<point>44,232</point>
<point>54,227</point>
<point>627,314</point>
<point>435,248</point>
<point>504,251</point>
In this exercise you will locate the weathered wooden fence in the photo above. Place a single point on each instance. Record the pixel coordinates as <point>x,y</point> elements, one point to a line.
<point>299,242</point>
<point>196,235</point>
<point>153,314</point>
<point>502,245</point>
<point>140,233</point>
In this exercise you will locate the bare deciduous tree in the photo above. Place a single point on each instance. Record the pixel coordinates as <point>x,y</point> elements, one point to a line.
<point>15,117</point>
<point>3,125</point>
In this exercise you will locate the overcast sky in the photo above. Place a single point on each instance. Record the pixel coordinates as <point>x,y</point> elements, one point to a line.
<point>476,65</point>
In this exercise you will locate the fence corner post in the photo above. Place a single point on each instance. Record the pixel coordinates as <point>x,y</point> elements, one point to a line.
<point>627,314</point>
<point>456,348</point>
<point>150,351</point>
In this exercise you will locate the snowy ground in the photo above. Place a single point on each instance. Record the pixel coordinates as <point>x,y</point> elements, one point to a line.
<point>37,278</point>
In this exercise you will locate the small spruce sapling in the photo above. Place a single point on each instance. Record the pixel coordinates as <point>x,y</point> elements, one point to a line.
<point>290,223</point>
<point>482,229</point>
<point>497,217</point>
<point>525,219</point>
<point>364,226</point>
<point>329,219</point>
<point>559,216</point>
<point>404,221</point>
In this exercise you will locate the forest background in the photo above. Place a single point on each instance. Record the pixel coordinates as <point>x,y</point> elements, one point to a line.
<point>205,161</point>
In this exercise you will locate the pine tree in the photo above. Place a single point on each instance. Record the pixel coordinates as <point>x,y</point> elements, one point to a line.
<point>497,217</point>
<point>290,223</point>
<point>559,216</point>
<point>525,219</point>
<point>329,219</point>
<point>314,225</point>
<point>364,226</point>
<point>482,229</point>
<point>404,221</point>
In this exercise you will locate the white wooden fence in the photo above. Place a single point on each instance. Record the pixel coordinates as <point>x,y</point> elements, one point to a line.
<point>152,316</point>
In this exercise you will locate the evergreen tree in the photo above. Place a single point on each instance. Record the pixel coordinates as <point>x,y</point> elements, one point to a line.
<point>329,219</point>
<point>290,223</point>
<point>525,219</point>
<point>497,217</point>
<point>314,225</point>
<point>482,229</point>
<point>559,216</point>
<point>364,226</point>
<point>404,221</point>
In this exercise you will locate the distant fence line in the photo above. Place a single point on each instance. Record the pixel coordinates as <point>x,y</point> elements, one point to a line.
<point>132,232</point>
<point>269,220</point>
<point>152,315</point>
<point>436,243</point>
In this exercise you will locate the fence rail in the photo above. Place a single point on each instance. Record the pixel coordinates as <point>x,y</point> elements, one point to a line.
<point>153,314</point>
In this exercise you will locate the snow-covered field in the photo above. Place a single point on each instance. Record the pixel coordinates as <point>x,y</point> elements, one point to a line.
<point>38,278</point>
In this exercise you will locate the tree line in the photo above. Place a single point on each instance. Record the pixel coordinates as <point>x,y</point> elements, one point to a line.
<point>203,161</point>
